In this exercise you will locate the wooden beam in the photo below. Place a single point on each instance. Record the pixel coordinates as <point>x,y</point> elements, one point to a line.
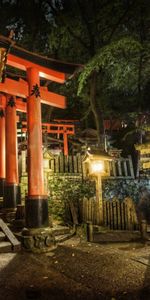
<point>14,88</point>
<point>21,106</point>
<point>20,89</point>
<point>52,99</point>
<point>23,64</point>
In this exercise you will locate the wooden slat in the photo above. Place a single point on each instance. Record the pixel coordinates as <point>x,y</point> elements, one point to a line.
<point>89,208</point>
<point>70,164</point>
<point>126,220</point>
<point>97,213</point>
<point>118,206</point>
<point>104,213</point>
<point>108,213</point>
<point>114,168</point>
<point>111,215</point>
<point>75,164</point>
<point>92,210</point>
<point>52,165</point>
<point>119,167</point>
<point>66,163</point>
<point>122,216</point>
<point>57,169</point>
<point>86,210</point>
<point>125,167</point>
<point>114,205</point>
<point>131,166</point>
<point>79,163</point>
<point>83,209</point>
<point>61,162</point>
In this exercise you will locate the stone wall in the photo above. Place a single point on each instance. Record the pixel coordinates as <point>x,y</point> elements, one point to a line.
<point>122,188</point>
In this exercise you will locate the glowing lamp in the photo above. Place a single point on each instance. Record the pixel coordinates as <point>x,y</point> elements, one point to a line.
<point>97,166</point>
<point>97,163</point>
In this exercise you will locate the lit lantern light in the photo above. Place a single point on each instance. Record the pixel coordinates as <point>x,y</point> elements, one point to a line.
<point>97,167</point>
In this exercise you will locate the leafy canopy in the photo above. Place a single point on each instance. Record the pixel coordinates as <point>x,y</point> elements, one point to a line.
<point>117,62</point>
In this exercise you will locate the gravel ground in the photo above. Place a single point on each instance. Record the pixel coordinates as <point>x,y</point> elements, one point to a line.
<point>77,270</point>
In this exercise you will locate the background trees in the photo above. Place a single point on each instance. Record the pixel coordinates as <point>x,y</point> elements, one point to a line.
<point>110,38</point>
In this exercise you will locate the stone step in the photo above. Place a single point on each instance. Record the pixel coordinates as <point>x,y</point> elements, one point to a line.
<point>63,237</point>
<point>60,230</point>
<point>2,236</point>
<point>5,247</point>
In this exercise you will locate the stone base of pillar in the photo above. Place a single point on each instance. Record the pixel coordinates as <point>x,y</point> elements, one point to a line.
<point>36,212</point>
<point>38,240</point>
<point>11,195</point>
<point>2,183</point>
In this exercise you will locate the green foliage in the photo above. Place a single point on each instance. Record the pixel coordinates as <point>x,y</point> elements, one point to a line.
<point>63,190</point>
<point>117,62</point>
<point>122,188</point>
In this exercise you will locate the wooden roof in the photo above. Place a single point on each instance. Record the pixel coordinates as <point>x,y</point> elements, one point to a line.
<point>27,58</point>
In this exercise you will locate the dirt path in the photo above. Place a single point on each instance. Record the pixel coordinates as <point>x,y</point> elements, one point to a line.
<point>77,270</point>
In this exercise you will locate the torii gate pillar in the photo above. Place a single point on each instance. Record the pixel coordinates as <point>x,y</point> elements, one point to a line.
<point>2,150</point>
<point>11,183</point>
<point>36,206</point>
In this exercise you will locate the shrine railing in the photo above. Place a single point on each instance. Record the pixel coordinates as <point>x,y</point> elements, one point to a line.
<point>73,164</point>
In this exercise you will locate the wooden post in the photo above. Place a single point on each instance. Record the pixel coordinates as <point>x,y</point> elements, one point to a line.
<point>89,232</point>
<point>2,151</point>
<point>36,207</point>
<point>11,185</point>
<point>99,197</point>
<point>143,229</point>
<point>65,143</point>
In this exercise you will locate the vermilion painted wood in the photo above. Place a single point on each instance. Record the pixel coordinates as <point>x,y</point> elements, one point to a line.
<point>64,129</point>
<point>21,106</point>
<point>11,144</point>
<point>20,89</point>
<point>54,128</point>
<point>15,88</point>
<point>52,99</point>
<point>2,101</point>
<point>65,144</point>
<point>2,145</point>
<point>35,156</point>
<point>43,72</point>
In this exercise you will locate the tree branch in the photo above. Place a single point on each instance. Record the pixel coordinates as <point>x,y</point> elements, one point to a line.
<point>119,21</point>
<point>86,113</point>
<point>67,27</point>
<point>88,27</point>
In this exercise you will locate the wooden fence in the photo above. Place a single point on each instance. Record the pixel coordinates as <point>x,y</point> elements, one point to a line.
<point>66,164</point>
<point>120,167</point>
<point>117,215</point>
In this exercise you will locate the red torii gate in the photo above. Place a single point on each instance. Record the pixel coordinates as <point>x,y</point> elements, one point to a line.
<point>36,66</point>
<point>64,129</point>
<point>61,128</point>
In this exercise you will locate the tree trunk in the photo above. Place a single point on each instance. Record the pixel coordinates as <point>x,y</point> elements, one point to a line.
<point>95,109</point>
